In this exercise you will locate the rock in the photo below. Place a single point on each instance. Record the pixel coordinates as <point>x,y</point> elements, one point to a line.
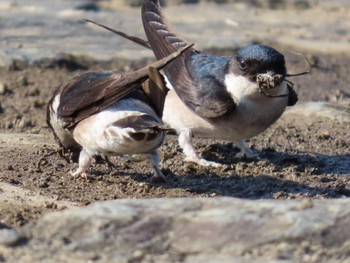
<point>24,122</point>
<point>191,230</point>
<point>313,111</point>
<point>3,88</point>
<point>10,237</point>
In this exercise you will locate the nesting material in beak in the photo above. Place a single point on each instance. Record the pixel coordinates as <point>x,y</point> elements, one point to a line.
<point>268,81</point>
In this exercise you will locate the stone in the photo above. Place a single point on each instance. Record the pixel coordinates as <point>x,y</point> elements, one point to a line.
<point>167,230</point>
<point>3,88</point>
<point>10,237</point>
<point>313,111</point>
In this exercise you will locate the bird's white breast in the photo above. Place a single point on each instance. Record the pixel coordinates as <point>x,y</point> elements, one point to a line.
<point>98,135</point>
<point>253,113</point>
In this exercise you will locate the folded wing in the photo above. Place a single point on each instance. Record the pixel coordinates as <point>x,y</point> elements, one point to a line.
<point>203,98</point>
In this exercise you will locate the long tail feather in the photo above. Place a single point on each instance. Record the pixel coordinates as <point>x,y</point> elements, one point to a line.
<point>134,39</point>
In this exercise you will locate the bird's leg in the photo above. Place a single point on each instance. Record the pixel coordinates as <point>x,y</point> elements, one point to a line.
<point>158,176</point>
<point>245,151</point>
<point>185,141</point>
<point>84,162</point>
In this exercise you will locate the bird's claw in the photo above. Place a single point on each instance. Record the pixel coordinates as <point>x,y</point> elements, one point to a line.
<point>79,175</point>
<point>247,155</point>
<point>202,162</point>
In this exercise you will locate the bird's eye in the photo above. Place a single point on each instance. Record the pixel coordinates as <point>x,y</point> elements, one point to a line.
<point>243,64</point>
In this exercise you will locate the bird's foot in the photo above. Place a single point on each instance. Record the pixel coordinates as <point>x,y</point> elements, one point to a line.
<point>185,141</point>
<point>245,151</point>
<point>202,162</point>
<point>247,154</point>
<point>158,177</point>
<point>84,161</point>
<point>79,175</point>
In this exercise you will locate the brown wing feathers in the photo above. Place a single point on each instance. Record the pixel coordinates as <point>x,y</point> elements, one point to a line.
<point>191,90</point>
<point>93,92</point>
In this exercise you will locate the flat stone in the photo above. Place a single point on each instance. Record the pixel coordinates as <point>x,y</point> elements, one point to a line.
<point>165,230</point>
<point>313,111</point>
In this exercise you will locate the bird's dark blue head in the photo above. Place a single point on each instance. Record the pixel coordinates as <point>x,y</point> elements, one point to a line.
<point>260,59</point>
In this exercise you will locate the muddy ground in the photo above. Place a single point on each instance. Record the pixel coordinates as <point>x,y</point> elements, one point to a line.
<point>298,159</point>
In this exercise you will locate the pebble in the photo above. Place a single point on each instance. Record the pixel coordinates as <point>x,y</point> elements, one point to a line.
<point>8,125</point>
<point>3,88</point>
<point>324,135</point>
<point>24,123</point>
<point>10,237</point>
<point>34,91</point>
<point>137,254</point>
<point>39,103</point>
<point>23,81</point>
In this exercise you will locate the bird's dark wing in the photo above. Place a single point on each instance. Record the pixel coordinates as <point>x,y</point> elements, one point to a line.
<point>92,92</point>
<point>208,75</point>
<point>87,94</point>
<point>206,101</point>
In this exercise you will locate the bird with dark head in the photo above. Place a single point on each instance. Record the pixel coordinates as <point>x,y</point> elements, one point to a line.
<point>257,59</point>
<point>112,113</point>
<point>230,98</point>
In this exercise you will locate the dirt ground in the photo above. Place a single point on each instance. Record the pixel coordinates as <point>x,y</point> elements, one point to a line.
<point>298,160</point>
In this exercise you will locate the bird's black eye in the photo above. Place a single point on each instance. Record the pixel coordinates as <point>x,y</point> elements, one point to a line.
<point>243,64</point>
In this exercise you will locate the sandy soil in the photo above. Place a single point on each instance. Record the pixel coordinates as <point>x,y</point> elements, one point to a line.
<point>299,159</point>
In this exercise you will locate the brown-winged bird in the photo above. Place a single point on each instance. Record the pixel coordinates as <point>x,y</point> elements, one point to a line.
<point>112,113</point>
